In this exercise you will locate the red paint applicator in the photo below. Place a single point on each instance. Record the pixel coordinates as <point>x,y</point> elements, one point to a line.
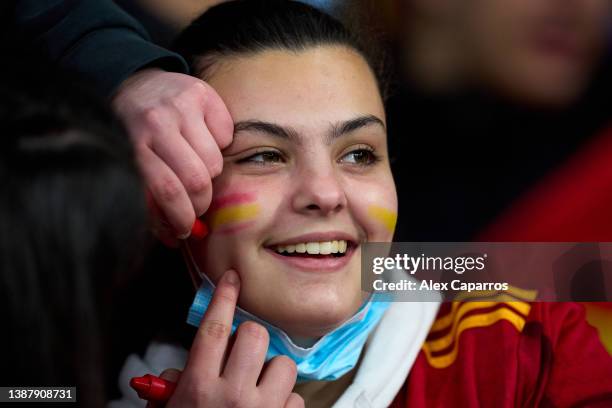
<point>199,230</point>
<point>152,388</point>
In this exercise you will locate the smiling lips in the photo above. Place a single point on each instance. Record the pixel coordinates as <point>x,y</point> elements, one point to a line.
<point>314,248</point>
<point>313,255</point>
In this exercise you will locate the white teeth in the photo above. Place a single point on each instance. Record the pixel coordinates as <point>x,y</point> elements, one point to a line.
<point>313,248</point>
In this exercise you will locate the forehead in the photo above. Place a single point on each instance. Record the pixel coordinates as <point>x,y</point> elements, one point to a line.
<point>304,89</point>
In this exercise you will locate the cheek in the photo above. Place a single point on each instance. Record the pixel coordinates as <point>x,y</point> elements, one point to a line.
<point>235,206</point>
<point>383,216</point>
<point>232,212</point>
<point>236,218</point>
<point>375,207</point>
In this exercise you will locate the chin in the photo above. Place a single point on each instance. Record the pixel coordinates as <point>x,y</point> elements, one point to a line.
<point>320,315</point>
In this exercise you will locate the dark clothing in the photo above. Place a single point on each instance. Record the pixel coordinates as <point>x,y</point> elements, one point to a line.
<point>93,38</point>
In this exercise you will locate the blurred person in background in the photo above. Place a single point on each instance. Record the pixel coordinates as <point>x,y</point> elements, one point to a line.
<point>73,221</point>
<point>536,53</point>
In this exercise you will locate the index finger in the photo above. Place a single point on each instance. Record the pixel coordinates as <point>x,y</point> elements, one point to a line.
<point>211,340</point>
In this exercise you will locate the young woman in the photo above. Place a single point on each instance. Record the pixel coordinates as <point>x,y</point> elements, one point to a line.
<point>305,183</point>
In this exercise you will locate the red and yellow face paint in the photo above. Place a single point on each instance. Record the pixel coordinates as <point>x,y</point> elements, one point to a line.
<point>233,212</point>
<point>384,216</point>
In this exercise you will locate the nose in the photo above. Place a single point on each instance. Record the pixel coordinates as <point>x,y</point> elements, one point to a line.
<point>318,191</point>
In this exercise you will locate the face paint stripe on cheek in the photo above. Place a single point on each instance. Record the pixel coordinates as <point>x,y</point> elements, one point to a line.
<point>233,214</point>
<point>386,217</point>
<point>231,199</point>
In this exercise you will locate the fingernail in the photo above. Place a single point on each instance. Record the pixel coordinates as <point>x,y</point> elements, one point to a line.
<point>231,277</point>
<point>184,236</point>
<point>199,229</point>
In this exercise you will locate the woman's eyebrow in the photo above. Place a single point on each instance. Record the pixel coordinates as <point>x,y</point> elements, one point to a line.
<point>266,127</point>
<point>343,128</point>
<point>284,132</point>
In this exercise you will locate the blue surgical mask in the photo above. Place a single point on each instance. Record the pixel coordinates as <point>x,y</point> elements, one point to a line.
<point>332,356</point>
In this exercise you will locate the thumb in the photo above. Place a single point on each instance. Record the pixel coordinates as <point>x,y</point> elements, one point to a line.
<point>169,374</point>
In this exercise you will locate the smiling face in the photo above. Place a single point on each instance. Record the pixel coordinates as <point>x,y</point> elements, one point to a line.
<point>305,182</point>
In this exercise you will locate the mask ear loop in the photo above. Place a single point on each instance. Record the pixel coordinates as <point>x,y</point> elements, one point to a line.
<point>194,274</point>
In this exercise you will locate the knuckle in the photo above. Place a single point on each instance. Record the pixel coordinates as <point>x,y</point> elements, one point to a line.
<point>226,126</point>
<point>287,364</point>
<point>297,400</point>
<point>235,396</point>
<point>197,182</point>
<point>183,101</point>
<point>169,189</point>
<point>216,164</point>
<point>194,93</point>
<point>254,330</point>
<point>155,118</point>
<point>199,89</point>
<point>202,395</point>
<point>225,294</point>
<point>215,329</point>
<point>233,401</point>
<point>194,392</point>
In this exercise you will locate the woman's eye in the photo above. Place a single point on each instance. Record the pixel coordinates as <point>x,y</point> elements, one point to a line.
<point>265,157</point>
<point>360,157</point>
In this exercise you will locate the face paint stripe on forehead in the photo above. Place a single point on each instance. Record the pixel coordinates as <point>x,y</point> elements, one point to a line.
<point>386,217</point>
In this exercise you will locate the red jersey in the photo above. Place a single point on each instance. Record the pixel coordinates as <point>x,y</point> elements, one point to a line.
<point>513,354</point>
